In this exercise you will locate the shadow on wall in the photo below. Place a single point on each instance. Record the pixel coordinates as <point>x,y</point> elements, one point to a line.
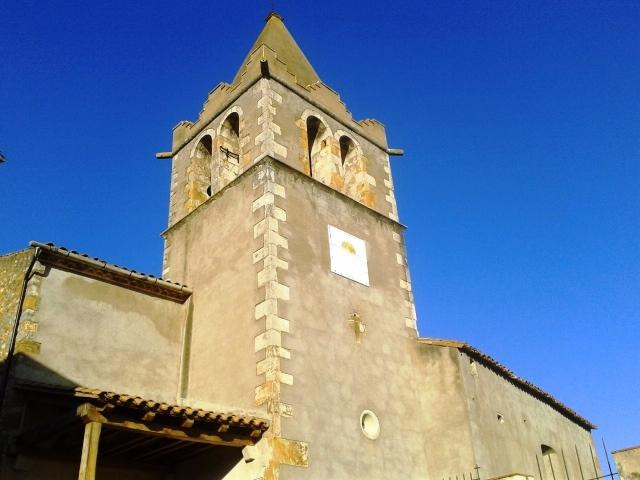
<point>42,437</point>
<point>26,373</point>
<point>27,370</point>
<point>29,380</point>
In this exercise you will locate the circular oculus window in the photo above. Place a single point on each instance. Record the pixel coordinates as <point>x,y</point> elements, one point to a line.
<point>370,424</point>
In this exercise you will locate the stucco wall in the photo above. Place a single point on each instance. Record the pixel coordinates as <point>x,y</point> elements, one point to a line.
<point>334,377</point>
<point>99,335</point>
<point>212,253</point>
<point>509,426</point>
<point>444,413</point>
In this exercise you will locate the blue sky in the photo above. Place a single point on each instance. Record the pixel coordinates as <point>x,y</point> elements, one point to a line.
<point>520,122</point>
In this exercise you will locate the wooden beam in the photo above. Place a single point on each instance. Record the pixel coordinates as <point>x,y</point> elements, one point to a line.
<point>89,457</point>
<point>124,447</point>
<point>164,450</point>
<point>193,453</point>
<point>91,413</point>
<point>189,434</point>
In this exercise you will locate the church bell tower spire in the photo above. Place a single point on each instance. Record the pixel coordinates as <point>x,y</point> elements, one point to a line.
<point>283,220</point>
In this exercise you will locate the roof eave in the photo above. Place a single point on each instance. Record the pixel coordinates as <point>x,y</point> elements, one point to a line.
<point>82,264</point>
<point>503,371</point>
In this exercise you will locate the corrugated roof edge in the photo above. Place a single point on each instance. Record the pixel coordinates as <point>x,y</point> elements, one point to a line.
<point>503,371</point>
<point>83,264</point>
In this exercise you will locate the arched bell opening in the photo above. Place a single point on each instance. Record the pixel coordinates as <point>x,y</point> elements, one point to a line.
<point>198,187</point>
<point>348,150</point>
<point>353,168</point>
<point>319,149</point>
<point>230,133</point>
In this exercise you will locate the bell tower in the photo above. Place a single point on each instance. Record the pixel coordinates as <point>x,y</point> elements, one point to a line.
<point>283,221</point>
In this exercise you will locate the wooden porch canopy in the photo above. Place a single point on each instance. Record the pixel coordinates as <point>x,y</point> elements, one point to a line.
<point>97,427</point>
<point>175,421</point>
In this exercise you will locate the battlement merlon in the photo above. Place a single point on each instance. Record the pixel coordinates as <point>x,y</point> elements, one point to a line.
<point>275,55</point>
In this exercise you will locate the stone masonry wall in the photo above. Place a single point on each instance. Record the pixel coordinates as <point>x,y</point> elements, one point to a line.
<point>13,268</point>
<point>628,463</point>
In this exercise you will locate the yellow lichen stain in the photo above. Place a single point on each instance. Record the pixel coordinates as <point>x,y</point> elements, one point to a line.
<point>13,268</point>
<point>348,247</point>
<point>28,327</point>
<point>267,392</point>
<point>272,472</point>
<point>368,198</point>
<point>337,181</point>
<point>290,452</point>
<point>27,346</point>
<point>304,147</point>
<point>244,158</point>
<point>304,164</point>
<point>284,452</point>
<point>30,303</point>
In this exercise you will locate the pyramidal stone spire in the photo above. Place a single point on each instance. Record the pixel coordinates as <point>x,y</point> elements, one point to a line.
<point>276,57</point>
<point>276,37</point>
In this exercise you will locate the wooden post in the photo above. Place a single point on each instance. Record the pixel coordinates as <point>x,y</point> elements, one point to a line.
<point>90,451</point>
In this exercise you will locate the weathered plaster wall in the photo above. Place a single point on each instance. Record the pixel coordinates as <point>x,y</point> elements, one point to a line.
<point>212,253</point>
<point>509,443</point>
<point>444,414</point>
<point>628,463</point>
<point>474,416</point>
<point>265,303</point>
<point>99,335</point>
<point>181,200</point>
<point>333,377</point>
<point>272,122</point>
<point>374,169</point>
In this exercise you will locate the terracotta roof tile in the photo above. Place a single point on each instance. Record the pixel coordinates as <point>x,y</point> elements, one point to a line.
<point>83,264</point>
<point>232,419</point>
<point>183,411</point>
